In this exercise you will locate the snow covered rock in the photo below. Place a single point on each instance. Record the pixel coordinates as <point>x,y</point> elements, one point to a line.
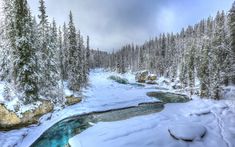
<point>31,117</point>
<point>71,100</point>
<point>10,120</point>
<point>142,76</point>
<point>145,77</point>
<point>7,118</point>
<point>187,132</point>
<point>152,77</point>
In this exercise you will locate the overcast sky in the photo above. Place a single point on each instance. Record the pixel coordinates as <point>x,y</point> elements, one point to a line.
<point>114,23</point>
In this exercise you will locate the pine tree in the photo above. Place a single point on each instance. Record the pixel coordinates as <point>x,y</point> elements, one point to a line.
<point>88,56</point>
<point>191,69</point>
<point>36,43</point>
<point>80,59</point>
<point>172,58</point>
<point>216,56</point>
<point>7,37</point>
<point>74,60</point>
<point>65,52</point>
<point>85,60</point>
<point>24,73</point>
<point>61,55</point>
<point>232,51</point>
<point>183,74</point>
<point>226,67</point>
<point>82,50</point>
<point>204,71</point>
<point>50,85</point>
<point>43,31</point>
<point>140,58</point>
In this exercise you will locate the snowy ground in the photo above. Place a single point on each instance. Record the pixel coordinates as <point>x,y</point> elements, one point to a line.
<point>152,130</point>
<point>218,117</point>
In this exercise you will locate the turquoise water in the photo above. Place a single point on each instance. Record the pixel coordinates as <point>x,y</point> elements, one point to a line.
<point>59,134</point>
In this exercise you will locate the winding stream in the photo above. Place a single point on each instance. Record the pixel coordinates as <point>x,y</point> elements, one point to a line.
<point>59,134</point>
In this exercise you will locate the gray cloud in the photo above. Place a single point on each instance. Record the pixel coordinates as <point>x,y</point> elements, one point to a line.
<point>114,23</point>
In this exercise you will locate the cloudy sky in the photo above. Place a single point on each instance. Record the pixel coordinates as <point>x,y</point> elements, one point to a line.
<point>114,23</point>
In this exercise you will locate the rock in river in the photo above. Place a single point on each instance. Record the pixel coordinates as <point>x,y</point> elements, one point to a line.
<point>152,77</point>
<point>71,100</point>
<point>142,76</point>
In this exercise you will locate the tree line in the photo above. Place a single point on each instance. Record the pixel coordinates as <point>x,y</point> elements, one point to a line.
<point>37,57</point>
<point>204,52</point>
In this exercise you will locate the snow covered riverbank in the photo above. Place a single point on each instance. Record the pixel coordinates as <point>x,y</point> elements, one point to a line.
<point>152,130</point>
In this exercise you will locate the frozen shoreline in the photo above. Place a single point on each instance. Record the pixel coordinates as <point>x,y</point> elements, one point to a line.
<point>152,130</point>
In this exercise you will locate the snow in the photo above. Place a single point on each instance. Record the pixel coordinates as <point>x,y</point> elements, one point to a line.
<point>25,108</point>
<point>229,92</point>
<point>151,75</point>
<point>218,117</point>
<point>67,92</point>
<point>1,92</point>
<point>1,13</point>
<point>10,105</point>
<point>164,83</point>
<point>152,130</point>
<point>15,102</point>
<point>187,132</point>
